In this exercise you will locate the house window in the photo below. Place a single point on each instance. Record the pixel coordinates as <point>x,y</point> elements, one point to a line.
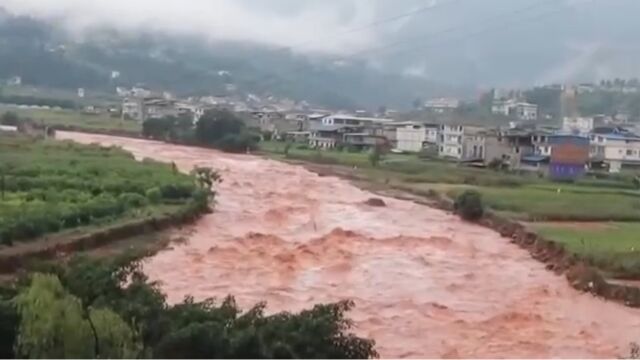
<point>629,152</point>
<point>459,151</point>
<point>441,149</point>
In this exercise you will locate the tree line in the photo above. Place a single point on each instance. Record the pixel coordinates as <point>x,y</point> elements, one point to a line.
<point>107,308</point>
<point>219,129</point>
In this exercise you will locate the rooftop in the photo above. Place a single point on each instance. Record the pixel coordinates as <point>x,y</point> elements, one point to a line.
<point>322,127</point>
<point>358,118</point>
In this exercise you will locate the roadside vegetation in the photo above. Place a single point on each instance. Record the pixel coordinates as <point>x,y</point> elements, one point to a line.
<point>108,308</point>
<point>48,187</point>
<point>604,208</point>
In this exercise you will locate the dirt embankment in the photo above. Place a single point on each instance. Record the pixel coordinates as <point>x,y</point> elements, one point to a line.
<point>20,255</point>
<point>579,272</point>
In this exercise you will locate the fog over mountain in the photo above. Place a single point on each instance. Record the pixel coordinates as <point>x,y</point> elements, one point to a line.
<point>465,43</point>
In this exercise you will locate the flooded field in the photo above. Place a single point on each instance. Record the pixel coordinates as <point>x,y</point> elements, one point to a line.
<point>425,283</point>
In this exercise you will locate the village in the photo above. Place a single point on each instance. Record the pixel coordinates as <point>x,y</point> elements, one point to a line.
<point>563,149</point>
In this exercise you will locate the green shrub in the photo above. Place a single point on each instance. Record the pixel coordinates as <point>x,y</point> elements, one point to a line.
<point>154,195</point>
<point>495,164</point>
<point>132,200</point>
<point>469,205</point>
<point>176,191</point>
<point>237,142</point>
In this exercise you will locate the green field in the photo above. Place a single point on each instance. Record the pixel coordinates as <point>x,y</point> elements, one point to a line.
<point>561,202</point>
<point>613,246</point>
<point>74,118</point>
<point>51,186</point>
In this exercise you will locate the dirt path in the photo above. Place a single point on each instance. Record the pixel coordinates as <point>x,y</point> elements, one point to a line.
<point>425,283</point>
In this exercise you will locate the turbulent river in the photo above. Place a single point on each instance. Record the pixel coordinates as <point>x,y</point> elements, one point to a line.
<point>425,283</point>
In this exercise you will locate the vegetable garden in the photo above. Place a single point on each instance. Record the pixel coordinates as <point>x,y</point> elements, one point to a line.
<point>48,186</point>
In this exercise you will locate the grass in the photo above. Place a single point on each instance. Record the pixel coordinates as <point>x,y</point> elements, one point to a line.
<point>406,167</point>
<point>75,118</point>
<point>613,246</point>
<point>535,203</point>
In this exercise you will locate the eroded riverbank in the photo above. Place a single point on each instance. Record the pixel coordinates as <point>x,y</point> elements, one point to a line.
<point>425,283</point>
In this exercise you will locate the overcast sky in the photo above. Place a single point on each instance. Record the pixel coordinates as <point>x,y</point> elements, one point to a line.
<point>540,39</point>
<point>274,22</point>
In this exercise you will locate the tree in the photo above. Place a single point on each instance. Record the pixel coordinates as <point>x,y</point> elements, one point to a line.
<point>10,118</point>
<point>169,128</point>
<point>116,339</point>
<point>214,125</point>
<point>157,129</point>
<point>9,321</point>
<point>181,128</point>
<point>287,147</point>
<point>469,205</point>
<point>205,179</point>
<point>547,99</point>
<point>206,330</point>
<point>51,322</point>
<point>375,156</point>
<point>120,298</point>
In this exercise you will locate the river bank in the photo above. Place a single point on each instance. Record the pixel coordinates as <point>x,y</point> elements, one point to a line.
<point>447,288</point>
<point>581,273</point>
<point>64,244</point>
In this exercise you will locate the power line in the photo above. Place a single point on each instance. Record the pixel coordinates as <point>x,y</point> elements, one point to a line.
<point>421,38</point>
<point>480,32</point>
<point>379,22</point>
<point>490,20</point>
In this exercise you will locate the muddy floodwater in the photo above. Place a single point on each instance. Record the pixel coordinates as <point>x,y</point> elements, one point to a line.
<point>425,283</point>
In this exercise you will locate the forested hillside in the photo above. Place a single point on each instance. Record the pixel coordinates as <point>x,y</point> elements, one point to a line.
<point>44,56</point>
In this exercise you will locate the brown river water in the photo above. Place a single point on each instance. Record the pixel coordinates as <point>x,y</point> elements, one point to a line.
<point>425,283</point>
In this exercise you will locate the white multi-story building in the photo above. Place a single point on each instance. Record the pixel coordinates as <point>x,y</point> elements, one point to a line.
<point>416,137</point>
<point>578,125</point>
<point>461,142</point>
<point>442,105</point>
<point>541,145</point>
<point>525,111</point>
<point>521,110</point>
<point>353,120</point>
<point>615,149</point>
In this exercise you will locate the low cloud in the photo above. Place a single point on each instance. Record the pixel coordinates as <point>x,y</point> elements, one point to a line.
<point>271,22</point>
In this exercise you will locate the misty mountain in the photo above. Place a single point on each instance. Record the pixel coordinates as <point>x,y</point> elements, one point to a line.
<point>44,55</point>
<point>515,42</point>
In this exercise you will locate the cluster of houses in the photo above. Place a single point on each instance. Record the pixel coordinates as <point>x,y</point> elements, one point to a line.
<point>508,105</point>
<point>141,104</point>
<point>564,151</point>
